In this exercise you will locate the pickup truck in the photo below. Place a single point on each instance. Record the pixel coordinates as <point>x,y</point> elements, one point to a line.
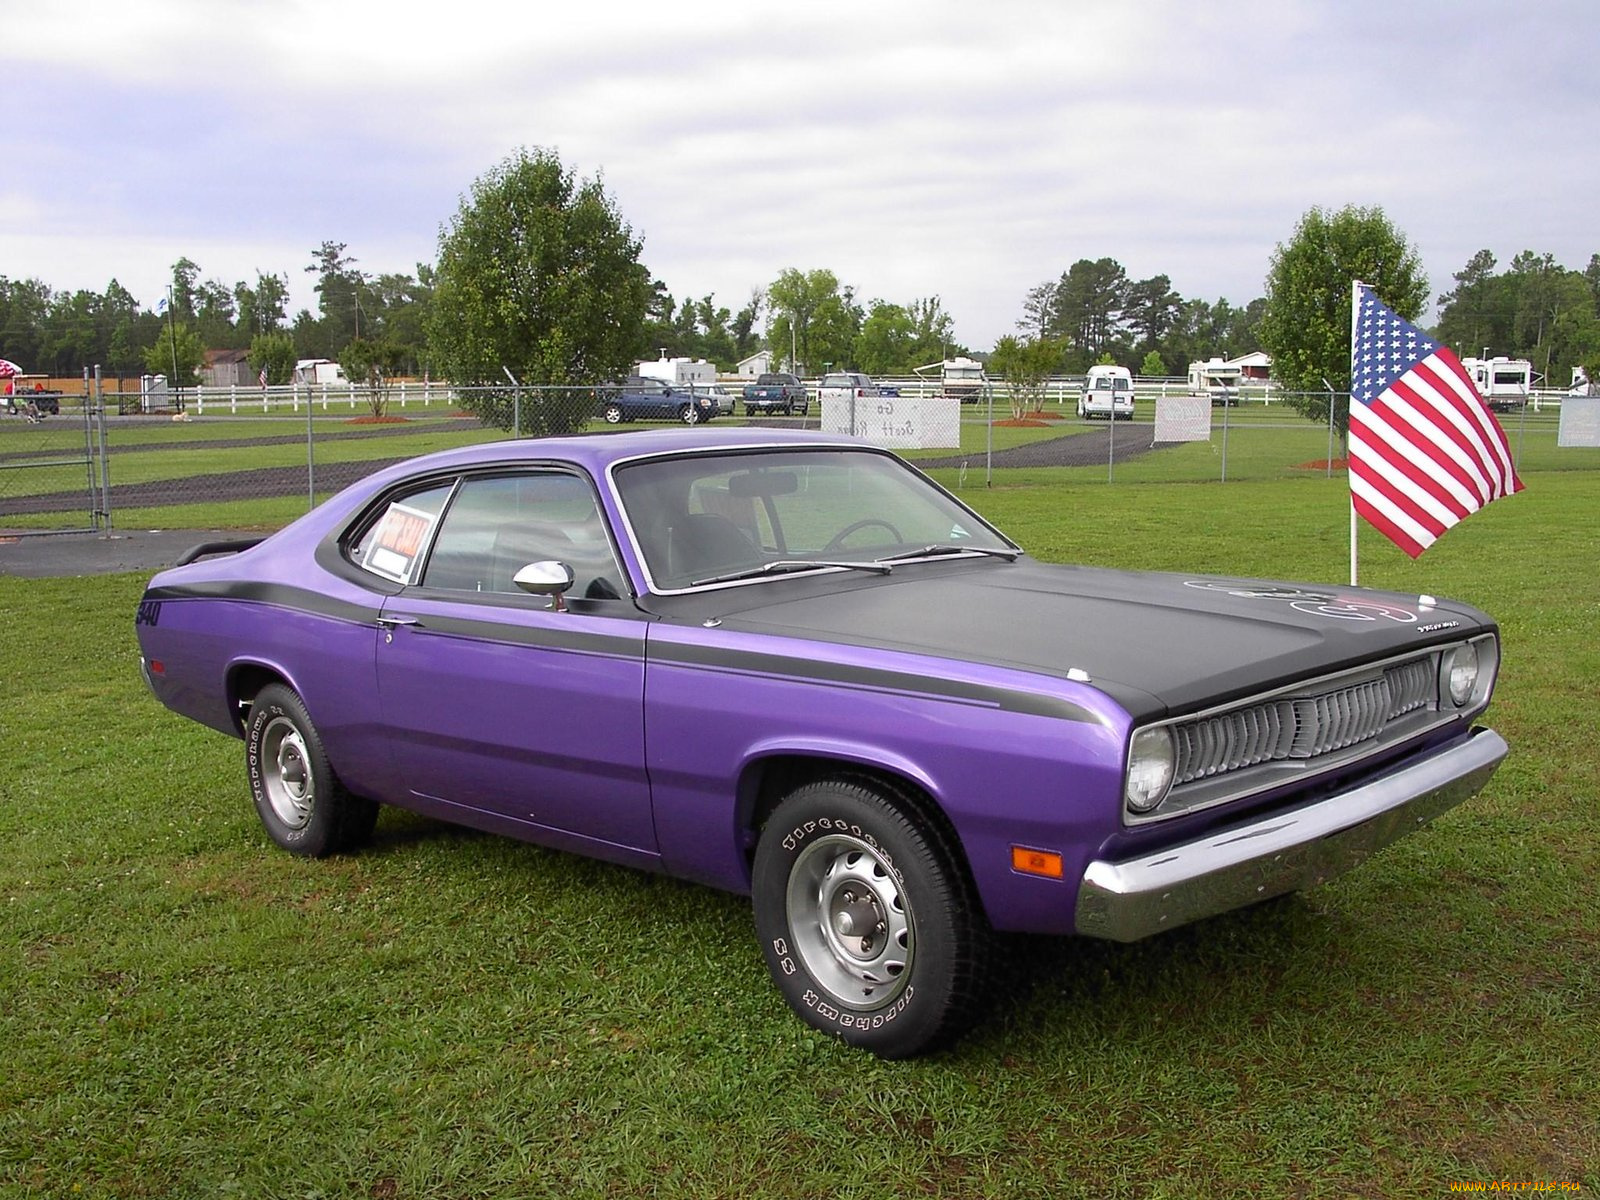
<point>774,392</point>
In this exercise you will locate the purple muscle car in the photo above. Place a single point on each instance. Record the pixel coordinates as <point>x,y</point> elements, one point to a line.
<point>789,665</point>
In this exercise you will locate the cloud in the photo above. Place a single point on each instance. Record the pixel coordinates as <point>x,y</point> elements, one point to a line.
<point>913,149</point>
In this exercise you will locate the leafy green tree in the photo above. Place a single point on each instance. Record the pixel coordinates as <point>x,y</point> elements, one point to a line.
<point>1471,314</point>
<point>933,332</point>
<point>178,354</point>
<point>1088,304</point>
<point>1153,367</point>
<point>1026,367</point>
<point>339,287</point>
<point>1151,309</point>
<point>184,275</point>
<point>261,308</point>
<point>539,275</point>
<point>794,301</point>
<point>1306,326</point>
<point>275,351</point>
<point>371,364</point>
<point>214,316</point>
<point>1039,310</point>
<point>884,345</point>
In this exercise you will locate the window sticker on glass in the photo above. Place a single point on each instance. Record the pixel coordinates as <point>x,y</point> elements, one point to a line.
<point>397,542</point>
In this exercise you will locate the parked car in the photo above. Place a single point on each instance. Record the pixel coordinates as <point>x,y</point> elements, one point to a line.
<point>641,399</point>
<point>844,385</point>
<point>790,665</point>
<point>776,391</point>
<point>724,399</point>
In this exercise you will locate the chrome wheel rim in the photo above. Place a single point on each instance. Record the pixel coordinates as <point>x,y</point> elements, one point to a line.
<point>286,772</point>
<point>850,921</point>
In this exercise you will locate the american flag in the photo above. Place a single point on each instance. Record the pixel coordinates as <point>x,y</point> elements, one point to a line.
<point>1425,451</point>
<point>263,375</point>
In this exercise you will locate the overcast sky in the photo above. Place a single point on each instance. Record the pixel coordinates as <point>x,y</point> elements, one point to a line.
<point>964,150</point>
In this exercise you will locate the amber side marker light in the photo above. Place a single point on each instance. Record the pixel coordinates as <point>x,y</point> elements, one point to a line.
<point>1046,863</point>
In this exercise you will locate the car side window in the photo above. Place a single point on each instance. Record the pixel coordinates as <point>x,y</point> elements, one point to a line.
<point>498,524</point>
<point>393,546</point>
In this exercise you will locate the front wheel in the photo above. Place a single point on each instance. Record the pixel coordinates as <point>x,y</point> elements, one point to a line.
<point>689,415</point>
<point>866,918</point>
<point>613,414</point>
<point>301,802</point>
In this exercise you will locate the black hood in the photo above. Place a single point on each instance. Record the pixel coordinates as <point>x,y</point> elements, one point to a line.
<point>1160,644</point>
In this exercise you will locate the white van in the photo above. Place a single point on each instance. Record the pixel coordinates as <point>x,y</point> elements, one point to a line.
<point>1107,392</point>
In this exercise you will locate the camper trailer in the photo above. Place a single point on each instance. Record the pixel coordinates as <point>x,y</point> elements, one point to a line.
<point>318,371</point>
<point>1217,379</point>
<point>1502,382</point>
<point>680,372</point>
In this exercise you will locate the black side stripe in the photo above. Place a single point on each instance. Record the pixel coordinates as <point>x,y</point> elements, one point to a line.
<point>873,679</point>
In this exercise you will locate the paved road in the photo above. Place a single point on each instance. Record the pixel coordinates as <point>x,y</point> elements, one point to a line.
<point>65,554</point>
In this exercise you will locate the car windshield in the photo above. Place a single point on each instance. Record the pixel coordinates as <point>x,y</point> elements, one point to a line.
<point>704,519</point>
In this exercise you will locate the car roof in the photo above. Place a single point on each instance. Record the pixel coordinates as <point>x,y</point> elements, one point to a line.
<point>598,451</point>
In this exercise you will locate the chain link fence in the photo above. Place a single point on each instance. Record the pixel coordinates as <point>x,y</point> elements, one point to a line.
<point>257,458</point>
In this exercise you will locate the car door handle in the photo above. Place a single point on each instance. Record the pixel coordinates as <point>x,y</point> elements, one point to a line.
<point>390,624</point>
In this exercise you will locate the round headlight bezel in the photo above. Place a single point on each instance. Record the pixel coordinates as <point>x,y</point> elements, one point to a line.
<point>1459,675</point>
<point>1152,765</point>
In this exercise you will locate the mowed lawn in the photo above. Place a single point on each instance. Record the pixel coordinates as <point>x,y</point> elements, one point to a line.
<point>187,1012</point>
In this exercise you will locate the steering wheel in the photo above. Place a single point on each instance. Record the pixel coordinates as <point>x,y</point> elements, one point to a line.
<point>836,542</point>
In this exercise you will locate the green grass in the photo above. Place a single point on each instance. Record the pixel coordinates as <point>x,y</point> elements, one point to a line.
<point>190,1013</point>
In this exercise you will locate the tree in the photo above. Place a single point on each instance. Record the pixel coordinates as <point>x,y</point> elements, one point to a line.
<point>1151,309</point>
<point>1089,303</point>
<point>538,274</point>
<point>178,354</point>
<point>339,287</point>
<point>1026,367</point>
<point>1039,309</point>
<point>1306,326</point>
<point>884,345</point>
<point>372,364</point>
<point>184,274</point>
<point>275,352</point>
<point>261,308</point>
<point>1153,366</point>
<point>812,320</point>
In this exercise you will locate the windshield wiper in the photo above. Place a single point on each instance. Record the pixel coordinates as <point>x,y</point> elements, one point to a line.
<point>783,566</point>
<point>952,548</point>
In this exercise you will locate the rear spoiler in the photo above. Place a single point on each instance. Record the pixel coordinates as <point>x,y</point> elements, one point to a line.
<point>193,553</point>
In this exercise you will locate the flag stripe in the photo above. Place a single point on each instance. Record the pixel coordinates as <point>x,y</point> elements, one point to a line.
<point>1425,452</point>
<point>1421,459</point>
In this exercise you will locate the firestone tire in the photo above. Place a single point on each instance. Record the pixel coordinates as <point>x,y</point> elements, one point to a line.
<point>302,804</point>
<point>867,920</point>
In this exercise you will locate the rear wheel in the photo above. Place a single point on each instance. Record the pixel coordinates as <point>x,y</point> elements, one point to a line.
<point>301,802</point>
<point>612,414</point>
<point>869,925</point>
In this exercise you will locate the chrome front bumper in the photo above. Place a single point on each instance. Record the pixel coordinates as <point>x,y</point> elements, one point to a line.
<point>1286,852</point>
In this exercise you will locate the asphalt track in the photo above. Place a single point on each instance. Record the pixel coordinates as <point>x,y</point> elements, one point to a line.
<point>122,550</point>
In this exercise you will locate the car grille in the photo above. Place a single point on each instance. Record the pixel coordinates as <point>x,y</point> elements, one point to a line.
<point>1301,727</point>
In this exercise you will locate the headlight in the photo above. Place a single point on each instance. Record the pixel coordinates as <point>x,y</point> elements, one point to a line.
<point>1151,761</point>
<point>1461,673</point>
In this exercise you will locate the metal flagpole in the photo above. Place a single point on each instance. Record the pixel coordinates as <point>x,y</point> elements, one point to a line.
<point>1355,317</point>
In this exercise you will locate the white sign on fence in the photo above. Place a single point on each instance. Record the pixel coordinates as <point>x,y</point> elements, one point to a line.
<point>1580,421</point>
<point>896,422</point>
<point>1183,419</point>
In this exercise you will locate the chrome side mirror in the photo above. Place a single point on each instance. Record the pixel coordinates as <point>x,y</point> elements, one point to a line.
<point>547,578</point>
